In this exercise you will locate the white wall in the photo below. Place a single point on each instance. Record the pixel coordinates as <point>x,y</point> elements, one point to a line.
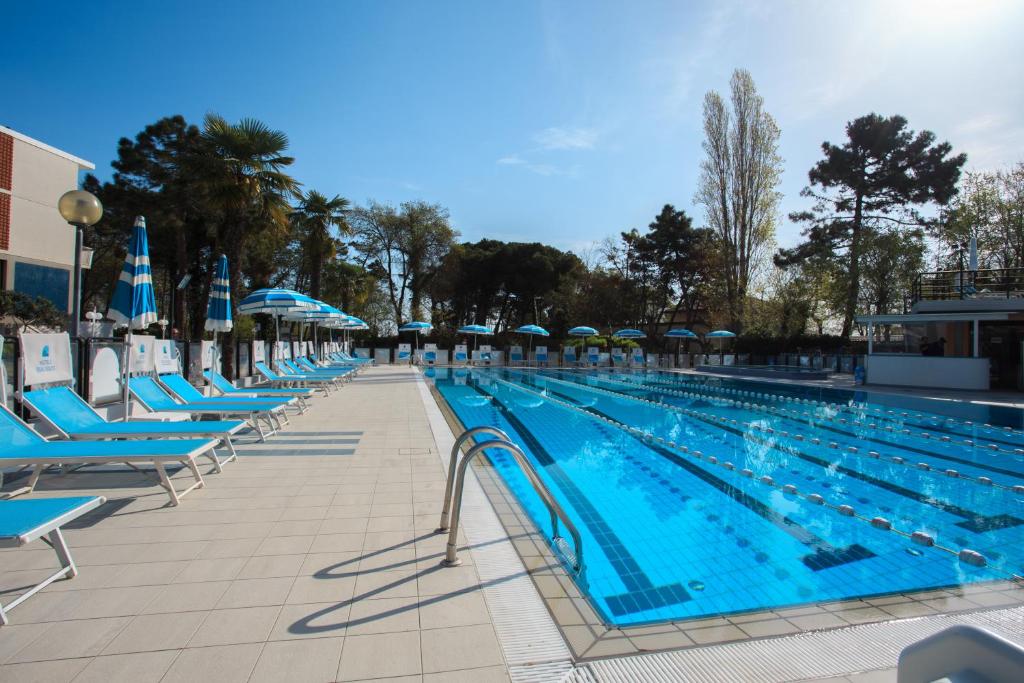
<point>941,372</point>
<point>38,233</point>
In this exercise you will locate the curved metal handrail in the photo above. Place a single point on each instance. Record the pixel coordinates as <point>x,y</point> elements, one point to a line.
<point>451,558</point>
<point>465,436</point>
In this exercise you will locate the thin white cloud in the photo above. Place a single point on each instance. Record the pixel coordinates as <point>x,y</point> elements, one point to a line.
<point>511,160</point>
<point>556,138</point>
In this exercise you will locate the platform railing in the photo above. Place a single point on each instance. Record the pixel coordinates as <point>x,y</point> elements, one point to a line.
<point>453,503</point>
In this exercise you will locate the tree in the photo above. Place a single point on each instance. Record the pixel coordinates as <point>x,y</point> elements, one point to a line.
<point>989,208</point>
<point>876,178</point>
<point>245,164</point>
<point>737,187</point>
<point>315,218</point>
<point>404,249</point>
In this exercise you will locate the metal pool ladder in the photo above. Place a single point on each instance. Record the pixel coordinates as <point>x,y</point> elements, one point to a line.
<point>456,480</point>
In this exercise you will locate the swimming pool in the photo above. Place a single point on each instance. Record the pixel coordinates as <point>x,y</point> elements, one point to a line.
<point>699,496</point>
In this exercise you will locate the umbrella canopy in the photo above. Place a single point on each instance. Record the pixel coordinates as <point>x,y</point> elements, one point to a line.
<point>318,313</point>
<point>629,333</point>
<point>680,333</point>
<point>134,303</point>
<point>353,322</point>
<point>720,334</point>
<point>583,331</point>
<point>533,329</point>
<point>275,301</point>
<point>474,329</point>
<point>415,326</point>
<point>218,311</point>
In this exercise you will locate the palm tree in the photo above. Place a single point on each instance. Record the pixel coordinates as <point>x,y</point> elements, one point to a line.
<point>243,163</point>
<point>315,216</point>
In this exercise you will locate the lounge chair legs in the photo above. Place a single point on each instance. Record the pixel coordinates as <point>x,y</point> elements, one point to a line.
<point>67,570</point>
<point>165,481</point>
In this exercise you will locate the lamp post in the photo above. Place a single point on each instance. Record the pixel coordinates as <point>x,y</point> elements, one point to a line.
<point>79,208</point>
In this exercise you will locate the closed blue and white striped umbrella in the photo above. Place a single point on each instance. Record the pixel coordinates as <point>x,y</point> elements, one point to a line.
<point>218,311</point>
<point>134,303</point>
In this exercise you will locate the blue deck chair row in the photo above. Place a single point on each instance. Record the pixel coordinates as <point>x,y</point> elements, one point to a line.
<point>23,447</point>
<point>71,417</point>
<point>151,395</point>
<point>293,379</point>
<point>24,521</point>
<point>227,388</point>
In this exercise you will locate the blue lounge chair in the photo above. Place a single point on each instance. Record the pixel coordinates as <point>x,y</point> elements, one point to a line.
<point>349,358</point>
<point>227,388</point>
<point>153,397</point>
<point>460,356</point>
<point>638,358</point>
<point>541,356</point>
<point>569,355</point>
<point>293,380</point>
<point>74,419</point>
<point>20,446</point>
<point>515,355</point>
<point>23,521</point>
<point>182,389</point>
<point>306,365</point>
<point>403,356</point>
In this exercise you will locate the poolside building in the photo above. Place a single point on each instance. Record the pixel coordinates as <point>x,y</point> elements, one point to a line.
<point>964,330</point>
<point>36,245</point>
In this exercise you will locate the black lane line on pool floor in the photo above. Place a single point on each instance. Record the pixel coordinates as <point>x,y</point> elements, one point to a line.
<point>642,594</point>
<point>825,554</point>
<point>973,521</point>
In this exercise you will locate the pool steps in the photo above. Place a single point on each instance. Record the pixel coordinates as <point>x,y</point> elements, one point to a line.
<point>965,555</point>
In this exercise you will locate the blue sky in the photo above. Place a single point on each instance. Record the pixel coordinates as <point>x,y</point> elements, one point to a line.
<point>561,122</point>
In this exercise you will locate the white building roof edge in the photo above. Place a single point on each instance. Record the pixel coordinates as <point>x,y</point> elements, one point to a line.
<point>82,163</point>
<point>921,318</point>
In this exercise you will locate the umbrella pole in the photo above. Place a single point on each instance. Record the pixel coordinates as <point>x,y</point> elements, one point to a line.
<point>213,364</point>
<point>127,373</point>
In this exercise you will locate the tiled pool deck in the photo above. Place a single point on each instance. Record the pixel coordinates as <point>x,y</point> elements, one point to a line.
<point>314,558</point>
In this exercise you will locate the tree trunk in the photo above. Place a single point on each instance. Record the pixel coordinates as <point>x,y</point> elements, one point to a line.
<point>853,286</point>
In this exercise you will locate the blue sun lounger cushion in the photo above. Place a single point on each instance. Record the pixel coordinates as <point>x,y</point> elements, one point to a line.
<point>24,521</point>
<point>322,382</point>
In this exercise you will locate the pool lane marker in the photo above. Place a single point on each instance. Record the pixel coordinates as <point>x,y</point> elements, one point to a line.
<point>965,555</point>
<point>824,555</point>
<point>850,410</point>
<point>973,521</point>
<point>793,415</point>
<point>642,595</point>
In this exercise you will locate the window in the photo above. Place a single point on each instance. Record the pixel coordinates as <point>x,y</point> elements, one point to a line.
<point>52,283</point>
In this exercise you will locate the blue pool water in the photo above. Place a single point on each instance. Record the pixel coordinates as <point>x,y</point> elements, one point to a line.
<point>662,473</point>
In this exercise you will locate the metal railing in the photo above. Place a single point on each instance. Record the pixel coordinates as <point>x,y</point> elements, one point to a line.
<point>457,477</point>
<point>991,283</point>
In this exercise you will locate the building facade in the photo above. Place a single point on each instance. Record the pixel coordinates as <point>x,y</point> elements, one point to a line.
<point>37,247</point>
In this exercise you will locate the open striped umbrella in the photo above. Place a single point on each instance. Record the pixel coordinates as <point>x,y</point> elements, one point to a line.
<point>321,314</point>
<point>218,309</point>
<point>134,303</point>
<point>532,330</point>
<point>629,333</point>
<point>417,327</point>
<point>476,331</point>
<point>276,302</point>
<point>720,334</point>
